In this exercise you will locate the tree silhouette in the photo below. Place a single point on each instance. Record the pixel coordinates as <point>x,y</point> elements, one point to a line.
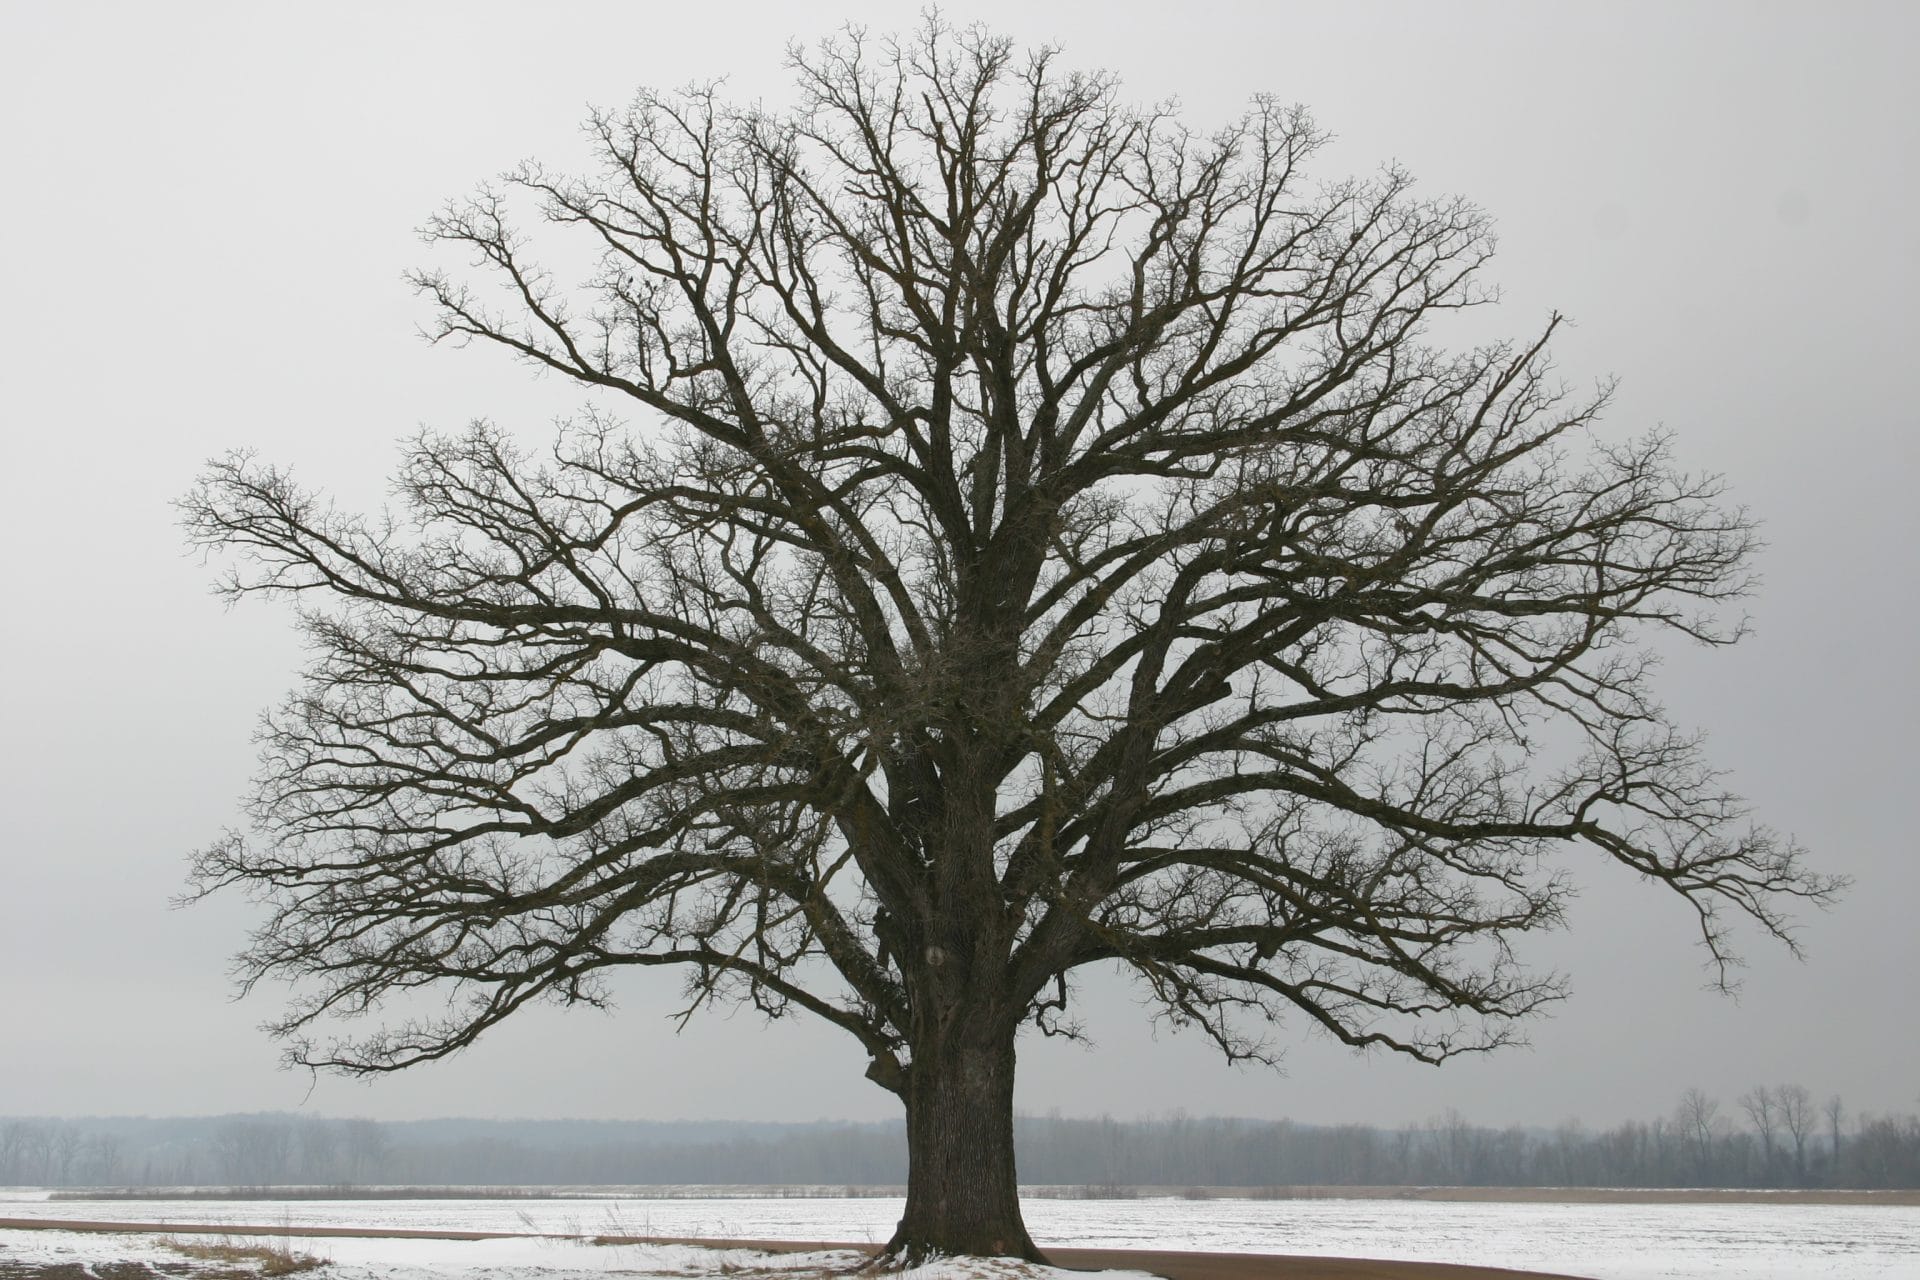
<point>1042,536</point>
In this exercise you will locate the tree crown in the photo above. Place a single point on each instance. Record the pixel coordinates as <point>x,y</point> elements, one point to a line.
<point>1046,537</point>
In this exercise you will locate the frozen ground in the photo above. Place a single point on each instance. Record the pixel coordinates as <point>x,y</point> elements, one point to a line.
<point>1606,1241</point>
<point>361,1259</point>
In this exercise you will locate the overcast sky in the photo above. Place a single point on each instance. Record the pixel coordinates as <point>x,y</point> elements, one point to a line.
<point>207,211</point>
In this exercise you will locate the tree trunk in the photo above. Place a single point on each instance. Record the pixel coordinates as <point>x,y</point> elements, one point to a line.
<point>962,1194</point>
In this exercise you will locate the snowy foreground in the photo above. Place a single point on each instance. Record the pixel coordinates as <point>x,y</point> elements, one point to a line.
<point>346,1258</point>
<point>1605,1241</point>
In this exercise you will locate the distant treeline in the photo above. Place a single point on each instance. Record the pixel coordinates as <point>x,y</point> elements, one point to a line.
<point>1769,1138</point>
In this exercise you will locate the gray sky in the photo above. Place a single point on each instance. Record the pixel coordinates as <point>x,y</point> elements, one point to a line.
<point>207,211</point>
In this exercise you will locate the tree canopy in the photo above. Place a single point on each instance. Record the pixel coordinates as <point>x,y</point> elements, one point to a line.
<point>1008,531</point>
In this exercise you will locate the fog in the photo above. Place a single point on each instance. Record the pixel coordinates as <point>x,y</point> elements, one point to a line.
<point>208,211</point>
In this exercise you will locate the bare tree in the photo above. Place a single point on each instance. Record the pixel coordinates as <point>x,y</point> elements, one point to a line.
<point>37,1145</point>
<point>1698,1119</point>
<point>1835,1112</point>
<point>319,1143</point>
<point>102,1157</point>
<point>63,1149</point>
<point>13,1146</point>
<point>1797,1116</point>
<point>1046,539</point>
<point>1762,1108</point>
<point>254,1151</point>
<point>366,1147</point>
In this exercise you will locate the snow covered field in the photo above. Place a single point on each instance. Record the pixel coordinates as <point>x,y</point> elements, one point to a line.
<point>360,1259</point>
<point>1606,1241</point>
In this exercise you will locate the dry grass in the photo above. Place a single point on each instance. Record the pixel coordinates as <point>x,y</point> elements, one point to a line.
<point>245,1258</point>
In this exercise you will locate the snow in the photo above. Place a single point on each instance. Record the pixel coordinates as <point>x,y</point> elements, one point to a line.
<point>1605,1241</point>
<point>360,1258</point>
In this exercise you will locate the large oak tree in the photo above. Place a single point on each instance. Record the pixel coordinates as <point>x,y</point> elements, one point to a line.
<point>1009,532</point>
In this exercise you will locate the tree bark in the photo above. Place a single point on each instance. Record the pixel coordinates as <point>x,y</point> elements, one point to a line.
<point>963,1196</point>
